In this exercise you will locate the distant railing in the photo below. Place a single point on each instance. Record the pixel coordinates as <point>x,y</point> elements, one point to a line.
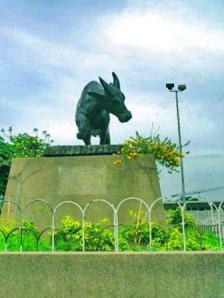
<point>215,222</point>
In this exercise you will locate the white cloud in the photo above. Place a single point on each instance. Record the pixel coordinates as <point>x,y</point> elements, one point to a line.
<point>161,32</point>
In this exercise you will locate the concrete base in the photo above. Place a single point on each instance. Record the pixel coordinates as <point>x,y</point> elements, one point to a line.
<point>101,275</point>
<point>82,179</point>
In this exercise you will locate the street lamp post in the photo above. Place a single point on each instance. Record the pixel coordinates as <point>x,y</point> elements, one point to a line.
<point>181,88</point>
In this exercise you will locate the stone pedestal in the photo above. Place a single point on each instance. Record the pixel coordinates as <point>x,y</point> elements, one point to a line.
<point>82,179</point>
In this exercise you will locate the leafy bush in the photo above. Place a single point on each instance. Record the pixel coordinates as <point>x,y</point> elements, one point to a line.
<point>166,153</point>
<point>175,218</point>
<point>100,236</point>
<point>196,237</point>
<point>97,236</point>
<point>136,236</point>
<point>69,236</point>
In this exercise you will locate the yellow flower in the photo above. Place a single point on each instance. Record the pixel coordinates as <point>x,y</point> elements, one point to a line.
<point>117,162</point>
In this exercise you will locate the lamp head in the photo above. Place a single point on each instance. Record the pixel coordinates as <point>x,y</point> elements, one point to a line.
<point>169,86</point>
<point>182,87</point>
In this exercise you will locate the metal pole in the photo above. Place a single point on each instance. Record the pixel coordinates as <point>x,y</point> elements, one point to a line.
<point>180,148</point>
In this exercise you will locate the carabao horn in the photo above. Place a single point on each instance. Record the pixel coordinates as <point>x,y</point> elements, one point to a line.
<point>106,86</point>
<point>116,82</point>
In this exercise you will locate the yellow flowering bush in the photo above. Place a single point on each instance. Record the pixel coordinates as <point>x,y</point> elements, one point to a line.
<point>164,150</point>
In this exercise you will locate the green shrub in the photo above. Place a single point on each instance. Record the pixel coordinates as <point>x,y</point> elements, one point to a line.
<point>136,236</point>
<point>195,236</point>
<point>100,236</point>
<point>175,218</point>
<point>97,236</point>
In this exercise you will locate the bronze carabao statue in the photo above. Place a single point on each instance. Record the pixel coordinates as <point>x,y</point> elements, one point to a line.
<point>93,109</point>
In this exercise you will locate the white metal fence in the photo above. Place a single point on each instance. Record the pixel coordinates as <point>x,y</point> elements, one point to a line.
<point>214,220</point>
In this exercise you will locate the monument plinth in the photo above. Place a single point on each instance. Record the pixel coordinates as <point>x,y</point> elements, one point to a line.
<point>67,173</point>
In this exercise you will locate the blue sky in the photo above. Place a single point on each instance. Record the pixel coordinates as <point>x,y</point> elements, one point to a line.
<point>51,49</point>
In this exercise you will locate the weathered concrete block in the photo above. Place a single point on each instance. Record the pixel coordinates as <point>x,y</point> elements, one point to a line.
<point>110,275</point>
<point>83,179</point>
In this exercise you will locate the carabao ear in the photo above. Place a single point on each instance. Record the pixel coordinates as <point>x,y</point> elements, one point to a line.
<point>116,81</point>
<point>96,91</point>
<point>96,94</point>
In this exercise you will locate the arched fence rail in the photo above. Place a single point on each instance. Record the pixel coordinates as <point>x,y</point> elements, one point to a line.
<point>215,217</point>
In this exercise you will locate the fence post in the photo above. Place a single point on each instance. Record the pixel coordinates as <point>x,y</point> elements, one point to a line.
<point>53,233</point>
<point>83,231</point>
<point>219,224</point>
<point>116,240</point>
<point>183,224</point>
